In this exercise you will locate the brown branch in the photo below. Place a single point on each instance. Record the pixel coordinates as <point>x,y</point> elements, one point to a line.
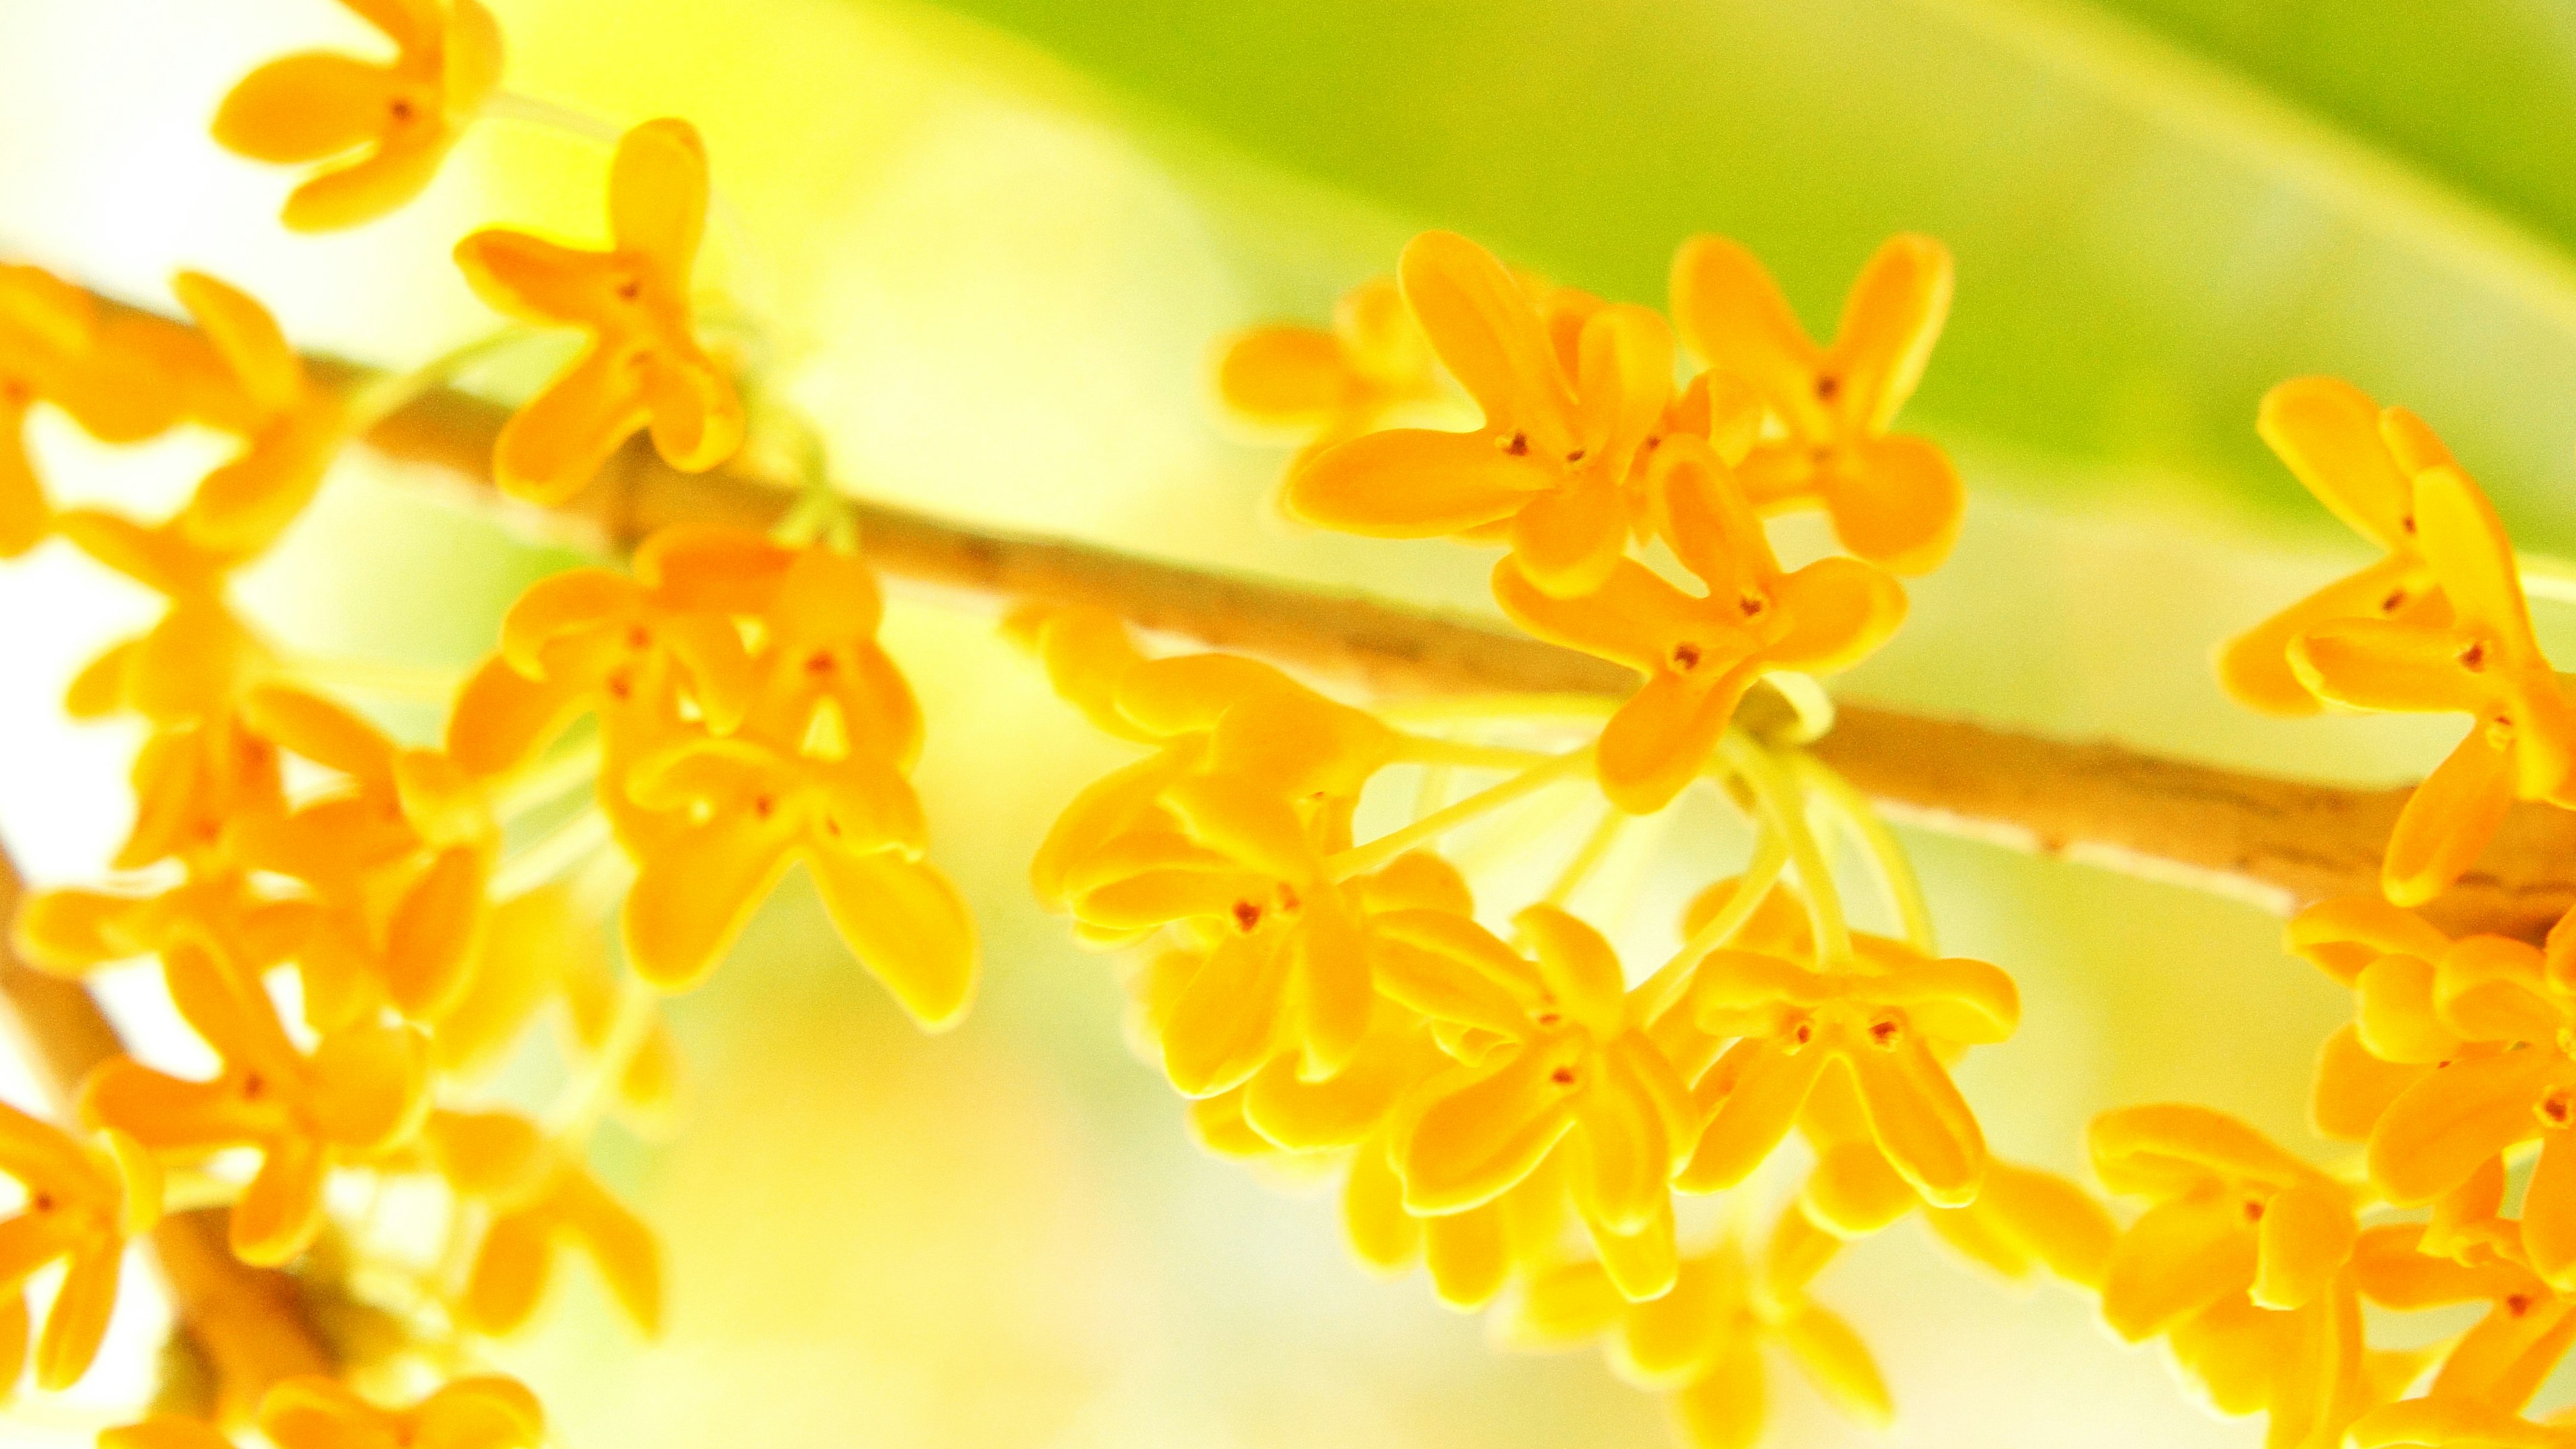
<point>248,1323</point>
<point>2277,843</point>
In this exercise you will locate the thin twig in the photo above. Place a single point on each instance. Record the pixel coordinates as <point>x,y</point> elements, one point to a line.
<point>2279,844</point>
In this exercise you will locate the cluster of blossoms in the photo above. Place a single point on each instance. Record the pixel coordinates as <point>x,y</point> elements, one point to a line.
<point>361,931</point>
<point>2455,1072</point>
<point>1510,1107</point>
<point>1518,1113</point>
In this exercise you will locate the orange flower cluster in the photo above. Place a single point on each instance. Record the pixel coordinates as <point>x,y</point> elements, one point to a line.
<point>2257,1267</point>
<point>1506,1107</point>
<point>1588,448</point>
<point>361,931</point>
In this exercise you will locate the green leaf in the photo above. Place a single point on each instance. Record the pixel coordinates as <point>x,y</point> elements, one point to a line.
<point>2160,207</point>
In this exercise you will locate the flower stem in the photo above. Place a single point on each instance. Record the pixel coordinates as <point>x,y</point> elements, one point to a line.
<point>1426,750</point>
<point>1587,858</point>
<point>383,396</point>
<point>1786,814</point>
<point>1664,990</point>
<point>1348,863</point>
<point>382,679</point>
<point>1886,854</point>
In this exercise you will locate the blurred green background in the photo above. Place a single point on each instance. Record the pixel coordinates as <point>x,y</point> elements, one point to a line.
<point>996,241</point>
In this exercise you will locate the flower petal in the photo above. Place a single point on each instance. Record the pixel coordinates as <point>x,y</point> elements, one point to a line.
<point>1920,1121</point>
<point>1384,1237</point>
<point>2305,1239</point>
<point>2549,1213</point>
<point>2466,544</point>
<point>1853,1193</point>
<point>2379,664</point>
<point>1483,325</point>
<point>280,1213</point>
<point>1661,738</point>
<point>2329,434</point>
<point>367,188</point>
<point>1755,1116</point>
<point>1840,610</point>
<point>2454,1119</point>
<point>485,1411</point>
<point>1891,318</point>
<point>2354,1089</point>
<point>693,896</point>
<point>1730,313</point>
<point>1468,1256</point>
<point>1475,1133</point>
<point>1838,1364</point>
<point>2448,821</point>
<point>2175,1260</point>
<point>1566,541</point>
<point>1724,1408</point>
<point>657,193</point>
<point>2254,667</point>
<point>77,1322</point>
<point>558,439</point>
<point>1412,483</point>
<point>907,925</point>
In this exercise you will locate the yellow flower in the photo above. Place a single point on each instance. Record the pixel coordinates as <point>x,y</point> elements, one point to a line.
<point>2244,1260</point>
<point>1883,1020</point>
<point>538,1198</point>
<point>1894,499</point>
<point>744,814</point>
<point>1702,1342</point>
<point>1331,383</point>
<point>2022,1221</point>
<point>2361,462</point>
<point>2348,938</point>
<point>2484,663</point>
<point>193,664</point>
<point>291,429</point>
<point>358,1093</point>
<point>650,652</point>
<point>821,674</point>
<point>399,118</point>
<point>396,858</point>
<point>642,365</point>
<point>1700,652</point>
<point>1287,962</point>
<point>55,348</point>
<point>83,1204</point>
<point>1553,458</point>
<point>1472,1256</point>
<point>1575,1074</point>
<point>2504,1358</point>
<point>482,1412</point>
<point>2490,1022</point>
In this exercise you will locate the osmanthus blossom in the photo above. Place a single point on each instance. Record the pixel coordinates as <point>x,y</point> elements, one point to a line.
<point>484,1411</point>
<point>1700,652</point>
<point>1884,1019</point>
<point>356,1095</point>
<point>291,425</point>
<point>650,651</point>
<point>2243,1261</point>
<point>2360,460</point>
<point>1333,383</point>
<point>380,128</point>
<point>83,1204</point>
<point>642,365</point>
<point>744,812</point>
<point>1571,1074</point>
<point>537,1200</point>
<point>1550,467</point>
<point>1702,1341</point>
<point>2486,1028</point>
<point>55,348</point>
<point>2503,1359</point>
<point>394,857</point>
<point>2482,661</point>
<point>1895,500</point>
<point>2022,1221</point>
<point>198,658</point>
